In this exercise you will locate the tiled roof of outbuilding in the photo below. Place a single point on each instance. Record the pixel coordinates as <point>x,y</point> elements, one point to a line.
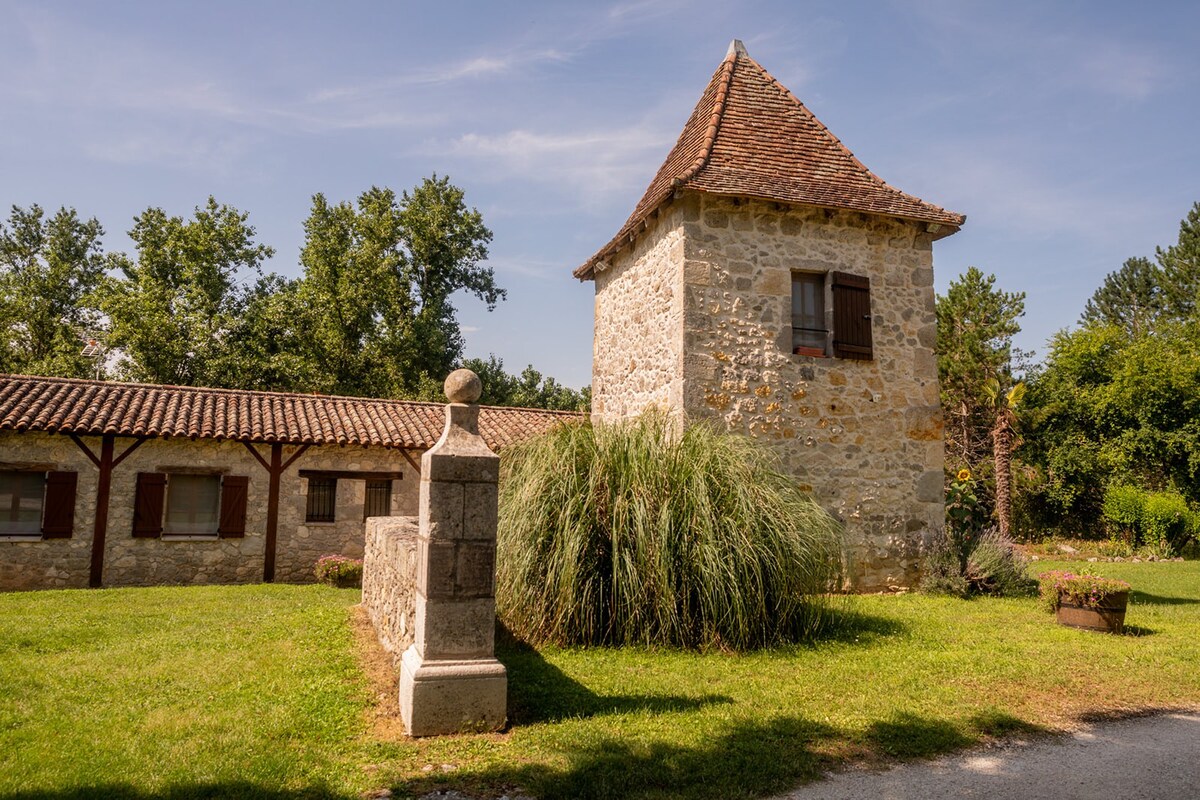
<point>65,405</point>
<point>751,137</point>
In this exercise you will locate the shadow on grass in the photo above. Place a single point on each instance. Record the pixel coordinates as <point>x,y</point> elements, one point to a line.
<point>747,760</point>
<point>1137,630</point>
<point>234,790</point>
<point>538,691</point>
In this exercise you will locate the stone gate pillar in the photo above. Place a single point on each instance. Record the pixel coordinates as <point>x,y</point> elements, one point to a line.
<point>450,680</point>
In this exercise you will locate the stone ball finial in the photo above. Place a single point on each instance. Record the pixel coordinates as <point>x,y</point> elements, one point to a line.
<point>463,386</point>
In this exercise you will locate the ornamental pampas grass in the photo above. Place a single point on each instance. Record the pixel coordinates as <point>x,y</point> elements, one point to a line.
<point>635,533</point>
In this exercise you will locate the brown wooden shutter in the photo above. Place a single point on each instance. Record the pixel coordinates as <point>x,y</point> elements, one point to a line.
<point>852,316</point>
<point>233,506</point>
<point>58,519</point>
<point>148,505</point>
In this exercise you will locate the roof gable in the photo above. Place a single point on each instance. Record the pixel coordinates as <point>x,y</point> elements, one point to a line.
<point>750,137</point>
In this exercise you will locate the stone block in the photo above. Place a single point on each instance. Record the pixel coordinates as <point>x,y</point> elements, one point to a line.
<point>441,509</point>
<point>473,468</point>
<point>445,697</point>
<point>480,506</point>
<point>437,561</point>
<point>929,487</point>
<point>475,569</point>
<point>454,628</point>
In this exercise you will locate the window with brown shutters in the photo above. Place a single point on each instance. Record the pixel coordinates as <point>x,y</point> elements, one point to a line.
<point>852,316</point>
<point>58,520</point>
<point>148,505</point>
<point>234,489</point>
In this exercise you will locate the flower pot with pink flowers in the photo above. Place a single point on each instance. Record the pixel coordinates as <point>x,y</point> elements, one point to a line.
<point>1090,602</point>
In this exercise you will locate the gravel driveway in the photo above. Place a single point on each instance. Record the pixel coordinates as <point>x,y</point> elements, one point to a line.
<point>1147,758</point>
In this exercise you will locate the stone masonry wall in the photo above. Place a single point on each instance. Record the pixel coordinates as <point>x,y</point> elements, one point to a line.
<point>302,543</point>
<point>637,349</point>
<point>50,563</point>
<point>865,436</point>
<point>55,563</point>
<point>389,580</point>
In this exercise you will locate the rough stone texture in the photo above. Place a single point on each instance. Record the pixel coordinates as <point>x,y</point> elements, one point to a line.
<point>638,347</point>
<point>301,543</point>
<point>463,386</point>
<point>864,436</point>
<point>50,563</point>
<point>58,563</point>
<point>449,678</point>
<point>389,580</point>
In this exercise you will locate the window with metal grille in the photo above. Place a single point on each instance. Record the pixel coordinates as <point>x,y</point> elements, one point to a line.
<point>322,500</point>
<point>379,499</point>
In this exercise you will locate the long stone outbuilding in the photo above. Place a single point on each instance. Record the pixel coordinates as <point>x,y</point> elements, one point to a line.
<point>117,484</point>
<point>767,280</point>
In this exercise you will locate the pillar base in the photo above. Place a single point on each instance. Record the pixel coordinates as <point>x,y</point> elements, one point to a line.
<point>438,697</point>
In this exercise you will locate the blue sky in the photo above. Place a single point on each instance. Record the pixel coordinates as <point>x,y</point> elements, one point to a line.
<point>1064,130</point>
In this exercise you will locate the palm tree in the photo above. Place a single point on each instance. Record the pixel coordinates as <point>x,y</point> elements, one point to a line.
<point>1004,439</point>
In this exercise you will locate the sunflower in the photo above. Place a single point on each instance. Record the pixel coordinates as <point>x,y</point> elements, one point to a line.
<point>964,475</point>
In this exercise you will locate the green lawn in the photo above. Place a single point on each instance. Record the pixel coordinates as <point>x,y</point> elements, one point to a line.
<point>256,691</point>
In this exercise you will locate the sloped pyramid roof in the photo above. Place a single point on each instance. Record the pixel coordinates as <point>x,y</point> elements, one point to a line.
<point>751,137</point>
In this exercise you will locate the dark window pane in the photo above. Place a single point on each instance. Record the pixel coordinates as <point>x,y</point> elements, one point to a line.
<point>21,502</point>
<point>379,499</point>
<point>322,499</point>
<point>808,311</point>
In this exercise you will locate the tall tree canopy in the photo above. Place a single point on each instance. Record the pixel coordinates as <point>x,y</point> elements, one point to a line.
<point>1111,408</point>
<point>976,324</point>
<point>183,294</point>
<point>1130,298</point>
<point>377,286</point>
<point>50,269</point>
<point>1180,264</point>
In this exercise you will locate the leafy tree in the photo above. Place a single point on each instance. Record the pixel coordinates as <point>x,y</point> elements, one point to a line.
<point>1108,409</point>
<point>1180,264</point>
<point>49,272</point>
<point>976,324</point>
<point>1131,297</point>
<point>377,286</point>
<point>266,346</point>
<point>179,300</point>
<point>527,390</point>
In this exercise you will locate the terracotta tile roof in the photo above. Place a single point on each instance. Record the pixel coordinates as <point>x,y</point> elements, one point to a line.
<point>751,137</point>
<point>64,405</point>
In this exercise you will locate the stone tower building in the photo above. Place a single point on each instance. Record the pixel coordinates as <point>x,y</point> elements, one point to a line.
<point>769,280</point>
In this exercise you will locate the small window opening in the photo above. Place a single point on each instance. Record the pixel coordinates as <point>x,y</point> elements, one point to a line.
<point>809,334</point>
<point>193,504</point>
<point>21,495</point>
<point>379,499</point>
<point>322,500</point>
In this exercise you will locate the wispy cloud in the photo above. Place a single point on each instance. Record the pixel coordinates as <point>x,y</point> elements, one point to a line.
<point>594,163</point>
<point>474,67</point>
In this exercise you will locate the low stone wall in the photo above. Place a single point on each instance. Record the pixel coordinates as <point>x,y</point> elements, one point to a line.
<point>389,580</point>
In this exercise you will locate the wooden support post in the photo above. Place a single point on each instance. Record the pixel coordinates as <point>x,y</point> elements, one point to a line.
<point>100,529</point>
<point>273,472</point>
<point>106,464</point>
<point>275,469</point>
